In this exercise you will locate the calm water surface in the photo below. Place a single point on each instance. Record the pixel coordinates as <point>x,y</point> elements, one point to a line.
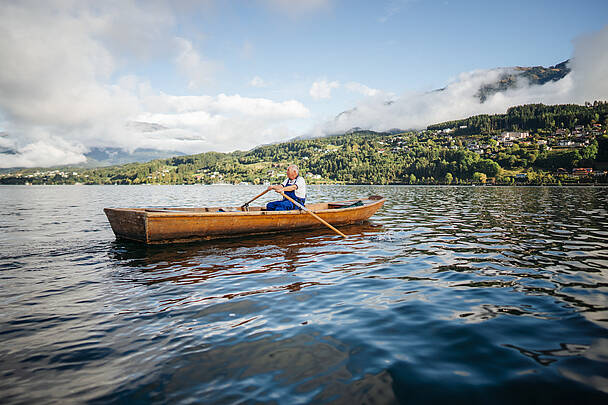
<point>448,294</point>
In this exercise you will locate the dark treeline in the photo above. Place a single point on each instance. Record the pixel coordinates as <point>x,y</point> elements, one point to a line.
<point>531,117</point>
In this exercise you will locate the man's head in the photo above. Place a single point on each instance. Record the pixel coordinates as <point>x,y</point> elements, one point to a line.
<point>292,172</point>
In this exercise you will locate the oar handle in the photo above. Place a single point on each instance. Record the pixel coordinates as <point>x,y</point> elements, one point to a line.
<point>311,213</point>
<point>254,198</point>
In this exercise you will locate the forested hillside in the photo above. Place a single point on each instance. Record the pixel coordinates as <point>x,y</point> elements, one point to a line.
<point>530,144</point>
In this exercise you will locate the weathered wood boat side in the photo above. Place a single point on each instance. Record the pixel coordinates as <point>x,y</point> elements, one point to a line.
<point>174,225</point>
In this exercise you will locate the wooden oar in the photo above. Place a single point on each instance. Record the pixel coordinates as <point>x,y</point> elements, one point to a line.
<point>246,205</point>
<point>311,213</point>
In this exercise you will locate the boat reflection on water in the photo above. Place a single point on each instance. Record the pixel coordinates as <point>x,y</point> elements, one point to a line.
<point>234,259</point>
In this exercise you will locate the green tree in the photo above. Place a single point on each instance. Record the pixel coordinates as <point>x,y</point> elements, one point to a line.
<point>487,166</point>
<point>590,152</point>
<point>449,178</point>
<point>480,178</point>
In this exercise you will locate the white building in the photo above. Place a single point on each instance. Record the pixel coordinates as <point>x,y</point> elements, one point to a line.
<point>512,136</point>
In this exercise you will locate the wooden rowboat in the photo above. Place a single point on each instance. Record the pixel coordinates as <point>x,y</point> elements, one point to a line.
<point>177,225</point>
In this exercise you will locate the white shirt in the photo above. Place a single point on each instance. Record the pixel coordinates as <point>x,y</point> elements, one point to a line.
<point>300,183</point>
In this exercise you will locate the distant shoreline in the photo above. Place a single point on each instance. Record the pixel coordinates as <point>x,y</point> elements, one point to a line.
<point>322,184</point>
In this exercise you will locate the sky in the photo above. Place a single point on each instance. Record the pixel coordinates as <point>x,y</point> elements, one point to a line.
<point>224,75</point>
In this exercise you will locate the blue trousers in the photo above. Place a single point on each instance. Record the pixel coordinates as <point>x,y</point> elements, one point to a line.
<point>283,205</point>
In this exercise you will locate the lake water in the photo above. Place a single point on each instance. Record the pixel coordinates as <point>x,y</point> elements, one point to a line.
<point>448,294</point>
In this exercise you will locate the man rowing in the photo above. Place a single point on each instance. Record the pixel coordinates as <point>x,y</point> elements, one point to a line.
<point>294,186</point>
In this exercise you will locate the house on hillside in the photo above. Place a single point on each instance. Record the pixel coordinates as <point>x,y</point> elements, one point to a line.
<point>582,171</point>
<point>512,136</point>
<point>584,139</point>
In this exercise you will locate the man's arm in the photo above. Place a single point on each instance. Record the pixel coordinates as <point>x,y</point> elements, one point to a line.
<point>280,187</point>
<point>290,188</point>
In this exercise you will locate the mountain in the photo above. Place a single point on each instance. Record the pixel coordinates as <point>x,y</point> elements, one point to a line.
<point>101,157</point>
<point>510,78</point>
<point>537,75</point>
<point>97,157</point>
<point>470,154</point>
<point>108,156</point>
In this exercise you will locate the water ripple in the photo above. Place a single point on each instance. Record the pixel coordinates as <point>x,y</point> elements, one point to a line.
<point>448,294</point>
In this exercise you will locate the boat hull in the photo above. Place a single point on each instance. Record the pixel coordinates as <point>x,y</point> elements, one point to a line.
<point>177,225</point>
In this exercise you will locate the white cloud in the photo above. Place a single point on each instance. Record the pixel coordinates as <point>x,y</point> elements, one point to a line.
<point>55,87</point>
<point>59,94</point>
<point>224,122</point>
<point>48,66</point>
<point>226,105</point>
<point>6,142</point>
<point>130,28</point>
<point>590,66</point>
<point>322,89</point>
<point>48,151</point>
<point>392,8</point>
<point>247,50</point>
<point>586,82</point>
<point>190,124</point>
<point>458,100</point>
<point>257,81</point>
<point>62,88</point>
<point>190,62</point>
<point>296,8</point>
<point>361,88</point>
